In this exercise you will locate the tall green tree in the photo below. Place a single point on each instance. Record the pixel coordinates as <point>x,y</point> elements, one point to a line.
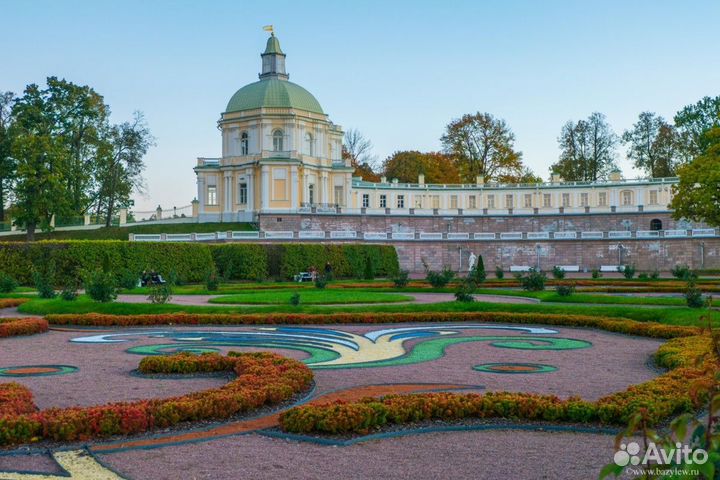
<point>120,164</point>
<point>697,194</point>
<point>653,145</point>
<point>80,116</point>
<point>7,163</point>
<point>693,122</point>
<point>482,145</point>
<point>588,150</point>
<point>405,166</point>
<point>40,159</point>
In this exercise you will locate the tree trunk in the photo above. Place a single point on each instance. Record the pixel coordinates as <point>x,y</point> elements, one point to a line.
<point>30,232</point>
<point>2,202</point>
<point>108,218</point>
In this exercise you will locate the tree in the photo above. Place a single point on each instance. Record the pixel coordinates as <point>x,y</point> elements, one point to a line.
<point>405,166</point>
<point>7,163</point>
<point>587,150</point>
<point>697,194</point>
<point>80,115</point>
<point>653,145</point>
<point>358,149</point>
<point>524,176</point>
<point>40,157</point>
<point>120,165</point>
<point>482,146</point>
<point>693,122</point>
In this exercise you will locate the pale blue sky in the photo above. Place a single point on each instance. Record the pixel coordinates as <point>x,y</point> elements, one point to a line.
<point>397,71</point>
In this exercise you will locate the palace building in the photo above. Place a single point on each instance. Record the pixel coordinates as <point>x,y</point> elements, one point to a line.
<point>282,168</point>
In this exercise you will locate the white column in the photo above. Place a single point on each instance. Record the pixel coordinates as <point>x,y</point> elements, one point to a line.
<point>306,188</point>
<point>323,188</point>
<point>348,196</point>
<point>227,191</point>
<point>201,193</point>
<point>265,188</point>
<point>294,187</point>
<point>250,192</point>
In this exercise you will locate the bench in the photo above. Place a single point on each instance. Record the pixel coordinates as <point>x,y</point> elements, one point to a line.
<point>569,268</point>
<point>519,268</point>
<point>611,268</point>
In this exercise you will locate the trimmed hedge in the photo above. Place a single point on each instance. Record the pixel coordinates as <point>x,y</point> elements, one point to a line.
<point>191,262</point>
<point>262,379</point>
<point>15,399</point>
<point>12,327</point>
<point>12,302</point>
<point>632,327</point>
<point>668,395</point>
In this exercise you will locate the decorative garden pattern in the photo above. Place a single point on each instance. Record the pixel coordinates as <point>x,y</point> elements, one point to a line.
<point>37,370</point>
<point>514,368</point>
<point>330,349</point>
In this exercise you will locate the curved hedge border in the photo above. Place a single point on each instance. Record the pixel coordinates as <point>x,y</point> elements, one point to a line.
<point>633,327</point>
<point>15,399</point>
<point>262,379</point>
<point>12,302</point>
<point>663,397</point>
<point>11,327</point>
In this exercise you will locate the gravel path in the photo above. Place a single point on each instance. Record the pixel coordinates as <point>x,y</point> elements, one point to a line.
<point>419,298</point>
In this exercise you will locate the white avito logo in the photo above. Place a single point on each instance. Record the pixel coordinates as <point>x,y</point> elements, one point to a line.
<point>681,454</point>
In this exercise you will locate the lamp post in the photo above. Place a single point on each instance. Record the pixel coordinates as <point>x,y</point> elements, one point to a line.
<point>621,248</point>
<point>537,257</point>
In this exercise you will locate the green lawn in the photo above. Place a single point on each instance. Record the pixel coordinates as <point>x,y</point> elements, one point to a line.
<point>672,316</point>
<point>121,233</point>
<point>587,298</point>
<point>311,297</point>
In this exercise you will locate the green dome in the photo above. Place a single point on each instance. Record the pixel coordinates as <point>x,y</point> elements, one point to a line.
<point>273,93</point>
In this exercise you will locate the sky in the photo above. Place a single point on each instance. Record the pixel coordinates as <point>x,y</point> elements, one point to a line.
<point>398,71</point>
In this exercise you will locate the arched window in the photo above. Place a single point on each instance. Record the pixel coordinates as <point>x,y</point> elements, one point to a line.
<point>244,143</point>
<point>278,141</point>
<point>309,143</point>
<point>655,224</point>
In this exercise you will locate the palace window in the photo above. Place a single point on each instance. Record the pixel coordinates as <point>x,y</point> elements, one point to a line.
<point>653,197</point>
<point>491,201</point>
<point>311,194</point>
<point>242,194</point>
<point>655,224</point>
<point>453,201</point>
<point>418,201</point>
<point>602,199</point>
<point>472,201</point>
<point>309,144</point>
<point>212,195</point>
<point>584,200</point>
<point>277,137</point>
<point>509,200</point>
<point>528,200</point>
<point>401,201</point>
<point>366,200</point>
<point>339,195</point>
<point>627,197</point>
<point>383,201</point>
<point>547,200</point>
<point>244,143</point>
<point>565,199</point>
<point>436,201</point>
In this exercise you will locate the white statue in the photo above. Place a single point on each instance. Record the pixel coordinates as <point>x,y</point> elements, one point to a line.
<point>471,261</point>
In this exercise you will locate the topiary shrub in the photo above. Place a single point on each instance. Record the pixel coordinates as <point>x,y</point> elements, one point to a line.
<point>128,280</point>
<point>464,292</point>
<point>565,289</point>
<point>499,273</point>
<point>680,271</point>
<point>160,293</point>
<point>295,299</point>
<point>628,271</point>
<point>654,275</point>
<point>533,281</point>
<point>558,273</point>
<point>212,282</point>
<point>478,274</point>
<point>101,286</point>
<point>7,283</point>
<point>321,281</point>
<point>401,279</point>
<point>44,279</point>
<point>693,295</point>
<point>69,293</point>
<point>595,273</point>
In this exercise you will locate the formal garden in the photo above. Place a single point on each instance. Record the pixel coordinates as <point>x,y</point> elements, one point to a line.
<point>113,349</point>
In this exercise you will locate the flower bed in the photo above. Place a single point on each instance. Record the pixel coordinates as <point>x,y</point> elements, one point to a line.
<point>15,399</point>
<point>663,397</point>
<point>648,329</point>
<point>12,302</point>
<point>262,379</point>
<point>10,327</point>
